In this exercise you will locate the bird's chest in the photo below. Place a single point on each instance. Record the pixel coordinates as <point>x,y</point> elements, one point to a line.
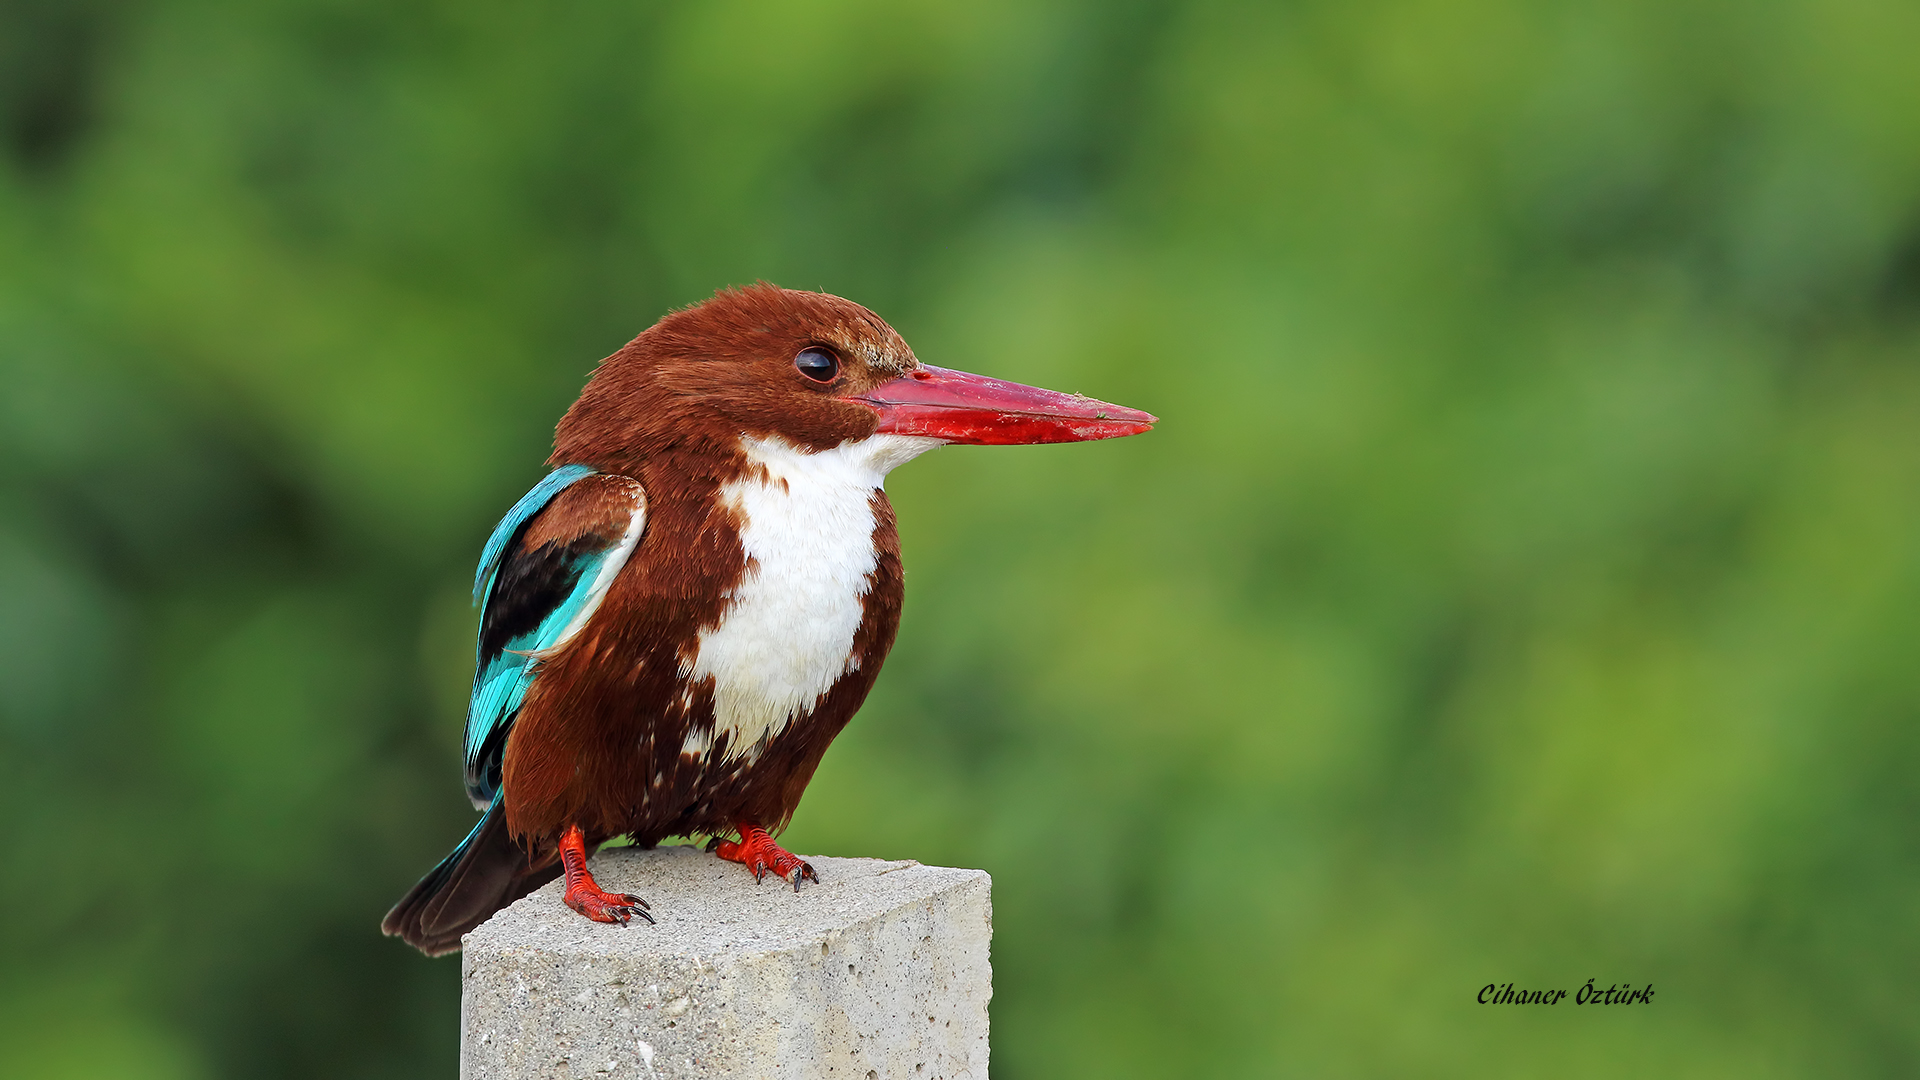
<point>786,634</point>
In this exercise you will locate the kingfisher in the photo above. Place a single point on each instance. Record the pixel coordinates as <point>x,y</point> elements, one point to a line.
<point>677,621</point>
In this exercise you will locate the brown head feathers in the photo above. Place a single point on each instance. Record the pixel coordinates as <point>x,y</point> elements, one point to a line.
<point>705,375</point>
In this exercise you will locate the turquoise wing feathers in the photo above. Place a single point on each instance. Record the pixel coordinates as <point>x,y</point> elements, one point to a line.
<point>530,504</point>
<point>536,593</point>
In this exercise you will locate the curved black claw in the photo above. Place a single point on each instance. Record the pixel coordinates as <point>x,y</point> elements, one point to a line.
<point>630,907</point>
<point>804,870</point>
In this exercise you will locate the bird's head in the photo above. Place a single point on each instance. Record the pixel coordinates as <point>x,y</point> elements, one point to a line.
<point>814,370</point>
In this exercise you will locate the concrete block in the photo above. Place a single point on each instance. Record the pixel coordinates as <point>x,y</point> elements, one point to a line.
<point>879,972</point>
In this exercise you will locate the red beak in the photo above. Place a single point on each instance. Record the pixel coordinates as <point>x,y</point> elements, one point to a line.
<point>961,408</point>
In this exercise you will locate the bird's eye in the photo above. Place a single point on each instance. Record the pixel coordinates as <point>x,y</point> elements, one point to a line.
<point>817,364</point>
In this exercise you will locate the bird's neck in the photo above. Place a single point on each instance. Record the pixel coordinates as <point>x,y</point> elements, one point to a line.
<point>862,465</point>
<point>813,531</point>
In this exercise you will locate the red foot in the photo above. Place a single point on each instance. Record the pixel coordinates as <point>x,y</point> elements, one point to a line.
<point>757,851</point>
<point>584,896</point>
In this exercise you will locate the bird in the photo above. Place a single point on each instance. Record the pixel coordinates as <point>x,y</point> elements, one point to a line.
<point>682,615</point>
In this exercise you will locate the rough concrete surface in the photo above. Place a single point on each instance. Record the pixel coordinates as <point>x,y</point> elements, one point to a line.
<point>878,972</point>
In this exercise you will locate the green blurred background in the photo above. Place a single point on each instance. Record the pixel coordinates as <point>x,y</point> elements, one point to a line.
<point>1523,584</point>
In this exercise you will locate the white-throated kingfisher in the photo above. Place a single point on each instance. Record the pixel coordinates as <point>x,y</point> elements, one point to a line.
<point>679,618</point>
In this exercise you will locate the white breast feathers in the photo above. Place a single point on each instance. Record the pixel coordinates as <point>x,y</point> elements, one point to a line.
<point>807,529</point>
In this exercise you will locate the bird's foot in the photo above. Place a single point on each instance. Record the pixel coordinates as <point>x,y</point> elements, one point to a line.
<point>587,899</point>
<point>585,896</point>
<point>758,853</point>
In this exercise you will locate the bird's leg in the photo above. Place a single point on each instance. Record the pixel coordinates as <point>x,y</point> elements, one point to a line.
<point>586,897</point>
<point>757,851</point>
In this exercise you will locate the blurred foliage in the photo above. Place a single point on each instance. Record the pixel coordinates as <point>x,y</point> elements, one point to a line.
<point>1524,583</point>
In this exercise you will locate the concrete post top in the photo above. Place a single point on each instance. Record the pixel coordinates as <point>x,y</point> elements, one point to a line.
<point>880,970</point>
<point>707,908</point>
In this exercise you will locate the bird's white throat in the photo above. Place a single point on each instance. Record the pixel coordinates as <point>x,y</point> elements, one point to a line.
<point>806,526</point>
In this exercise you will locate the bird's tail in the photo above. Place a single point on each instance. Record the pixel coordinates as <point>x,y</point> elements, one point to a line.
<point>485,873</point>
